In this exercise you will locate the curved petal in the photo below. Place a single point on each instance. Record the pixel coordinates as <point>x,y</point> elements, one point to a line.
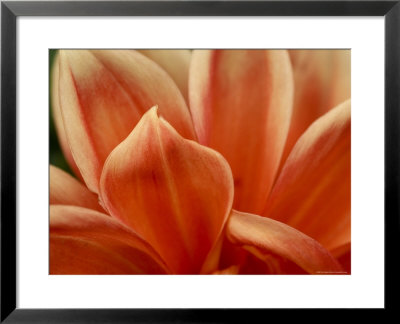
<point>174,192</point>
<point>66,190</point>
<point>312,192</point>
<point>249,263</point>
<point>268,263</point>
<point>175,63</point>
<point>83,241</point>
<point>263,236</point>
<point>241,103</point>
<point>103,94</point>
<point>57,117</point>
<point>322,81</point>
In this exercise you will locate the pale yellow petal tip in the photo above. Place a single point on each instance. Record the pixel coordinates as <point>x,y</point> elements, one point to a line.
<point>152,114</point>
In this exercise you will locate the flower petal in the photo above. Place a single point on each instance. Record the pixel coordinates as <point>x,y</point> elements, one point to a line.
<point>57,117</point>
<point>268,263</point>
<point>312,192</point>
<point>175,63</point>
<point>232,270</point>
<point>262,236</point>
<point>343,255</point>
<point>66,190</point>
<point>103,94</point>
<point>173,192</point>
<point>322,81</point>
<point>241,104</point>
<point>248,263</point>
<point>84,241</point>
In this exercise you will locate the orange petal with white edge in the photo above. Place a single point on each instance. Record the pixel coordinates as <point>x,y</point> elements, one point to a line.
<point>175,63</point>
<point>57,117</point>
<point>84,241</point>
<point>322,81</point>
<point>241,104</point>
<point>103,94</point>
<point>66,190</point>
<point>263,236</point>
<point>313,192</point>
<point>173,192</point>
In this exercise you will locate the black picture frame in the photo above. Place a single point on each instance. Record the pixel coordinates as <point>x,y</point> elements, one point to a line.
<point>10,10</point>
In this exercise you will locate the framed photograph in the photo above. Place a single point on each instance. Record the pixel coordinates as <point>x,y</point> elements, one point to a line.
<point>197,161</point>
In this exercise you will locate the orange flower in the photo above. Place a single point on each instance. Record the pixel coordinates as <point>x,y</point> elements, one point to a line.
<point>202,169</point>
